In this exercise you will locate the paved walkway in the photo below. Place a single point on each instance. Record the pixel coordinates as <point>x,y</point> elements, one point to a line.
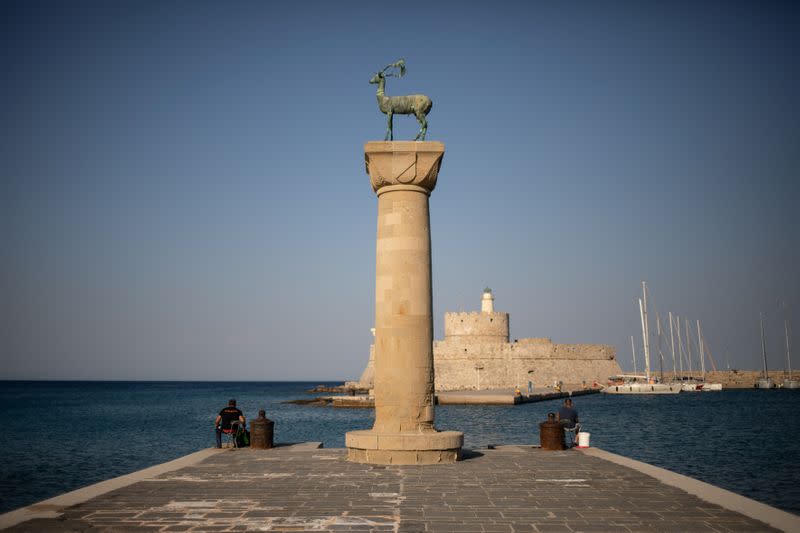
<point>509,489</point>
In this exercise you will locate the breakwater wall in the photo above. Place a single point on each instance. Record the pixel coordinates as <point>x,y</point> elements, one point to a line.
<point>737,379</point>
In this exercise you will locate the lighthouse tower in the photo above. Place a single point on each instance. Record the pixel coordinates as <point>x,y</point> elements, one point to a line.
<point>487,302</point>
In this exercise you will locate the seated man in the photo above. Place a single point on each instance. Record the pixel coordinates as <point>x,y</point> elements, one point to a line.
<point>568,417</point>
<point>223,422</point>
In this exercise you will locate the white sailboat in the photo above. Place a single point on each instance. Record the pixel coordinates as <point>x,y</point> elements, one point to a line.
<point>789,382</point>
<point>765,382</point>
<point>688,383</point>
<point>708,386</point>
<point>635,383</point>
<point>701,385</point>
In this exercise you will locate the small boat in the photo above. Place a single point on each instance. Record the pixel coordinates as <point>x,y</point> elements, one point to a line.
<point>765,383</point>
<point>701,385</point>
<point>688,383</point>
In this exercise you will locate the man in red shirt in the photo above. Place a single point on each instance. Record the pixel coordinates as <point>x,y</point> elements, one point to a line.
<point>224,419</point>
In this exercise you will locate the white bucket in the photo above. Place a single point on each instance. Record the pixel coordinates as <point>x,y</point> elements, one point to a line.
<point>583,439</point>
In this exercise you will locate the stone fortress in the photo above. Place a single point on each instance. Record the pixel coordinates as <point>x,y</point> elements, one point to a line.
<point>476,354</point>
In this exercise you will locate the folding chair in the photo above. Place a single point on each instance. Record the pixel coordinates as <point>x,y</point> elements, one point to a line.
<point>233,433</point>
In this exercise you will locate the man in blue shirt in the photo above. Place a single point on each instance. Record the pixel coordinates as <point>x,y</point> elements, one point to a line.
<point>568,417</point>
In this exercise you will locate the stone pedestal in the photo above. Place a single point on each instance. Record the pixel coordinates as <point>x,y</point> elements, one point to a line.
<point>403,174</point>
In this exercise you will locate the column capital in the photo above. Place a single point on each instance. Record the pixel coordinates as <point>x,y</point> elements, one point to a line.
<point>403,163</point>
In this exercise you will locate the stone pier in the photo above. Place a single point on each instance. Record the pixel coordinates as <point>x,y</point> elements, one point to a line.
<point>403,174</point>
<point>302,488</point>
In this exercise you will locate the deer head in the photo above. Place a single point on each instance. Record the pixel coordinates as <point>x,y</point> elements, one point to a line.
<point>399,64</point>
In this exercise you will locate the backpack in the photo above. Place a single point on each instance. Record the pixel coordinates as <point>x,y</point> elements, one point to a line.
<point>243,439</point>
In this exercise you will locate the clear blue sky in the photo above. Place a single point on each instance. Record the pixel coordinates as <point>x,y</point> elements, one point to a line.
<point>183,192</point>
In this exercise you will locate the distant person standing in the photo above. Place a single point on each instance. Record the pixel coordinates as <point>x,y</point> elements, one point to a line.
<point>224,419</point>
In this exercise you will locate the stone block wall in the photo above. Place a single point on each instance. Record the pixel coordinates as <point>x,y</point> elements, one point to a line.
<point>479,327</point>
<point>584,351</point>
<point>463,365</point>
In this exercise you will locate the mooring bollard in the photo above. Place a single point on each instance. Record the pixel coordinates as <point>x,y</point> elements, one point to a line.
<point>261,432</point>
<point>551,434</point>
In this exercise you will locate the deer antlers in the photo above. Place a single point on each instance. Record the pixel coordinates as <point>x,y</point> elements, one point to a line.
<point>400,64</point>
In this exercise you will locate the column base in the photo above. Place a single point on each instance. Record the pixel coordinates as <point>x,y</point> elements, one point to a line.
<point>433,447</point>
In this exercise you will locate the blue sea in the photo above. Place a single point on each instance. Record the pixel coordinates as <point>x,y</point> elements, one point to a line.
<point>59,436</point>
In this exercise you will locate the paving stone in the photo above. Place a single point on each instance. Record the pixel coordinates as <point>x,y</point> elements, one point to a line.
<point>550,528</point>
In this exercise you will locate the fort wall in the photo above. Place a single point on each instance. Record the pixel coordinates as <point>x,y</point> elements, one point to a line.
<point>464,364</point>
<point>476,354</point>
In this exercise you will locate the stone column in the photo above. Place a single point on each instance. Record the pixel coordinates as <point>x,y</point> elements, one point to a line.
<point>403,174</point>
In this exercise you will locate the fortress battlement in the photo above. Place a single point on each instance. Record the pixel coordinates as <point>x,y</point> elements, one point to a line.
<point>476,327</point>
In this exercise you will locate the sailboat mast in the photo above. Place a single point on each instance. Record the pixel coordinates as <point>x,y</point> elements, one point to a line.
<point>702,353</point>
<point>633,354</point>
<point>763,344</point>
<point>672,344</point>
<point>680,344</point>
<point>688,345</point>
<point>644,340</point>
<point>646,332</point>
<point>788,360</point>
<point>644,336</point>
<point>660,354</point>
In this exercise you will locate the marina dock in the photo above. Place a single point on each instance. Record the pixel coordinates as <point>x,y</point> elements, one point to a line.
<point>307,488</point>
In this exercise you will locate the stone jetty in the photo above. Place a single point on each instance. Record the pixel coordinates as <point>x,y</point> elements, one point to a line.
<point>306,488</point>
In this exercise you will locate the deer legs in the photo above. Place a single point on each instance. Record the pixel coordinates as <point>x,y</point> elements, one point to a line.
<point>389,133</point>
<point>423,127</point>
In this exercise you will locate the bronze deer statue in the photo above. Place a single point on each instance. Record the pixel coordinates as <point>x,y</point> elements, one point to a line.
<point>416,104</point>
